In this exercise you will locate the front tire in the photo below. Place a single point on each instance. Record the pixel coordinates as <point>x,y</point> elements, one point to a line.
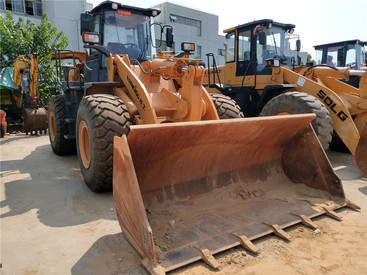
<point>57,128</point>
<point>99,119</point>
<point>226,107</point>
<point>300,103</point>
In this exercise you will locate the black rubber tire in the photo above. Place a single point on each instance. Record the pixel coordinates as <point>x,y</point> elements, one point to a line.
<point>300,103</point>
<point>106,116</point>
<point>226,107</point>
<point>60,145</point>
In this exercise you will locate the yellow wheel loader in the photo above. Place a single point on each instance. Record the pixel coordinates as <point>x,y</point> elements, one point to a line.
<point>186,184</point>
<point>263,79</point>
<point>21,102</point>
<point>348,53</point>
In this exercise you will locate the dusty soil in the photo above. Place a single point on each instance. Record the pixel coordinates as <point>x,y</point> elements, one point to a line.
<point>52,224</point>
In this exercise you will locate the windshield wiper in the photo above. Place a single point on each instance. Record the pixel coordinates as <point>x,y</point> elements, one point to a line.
<point>275,43</point>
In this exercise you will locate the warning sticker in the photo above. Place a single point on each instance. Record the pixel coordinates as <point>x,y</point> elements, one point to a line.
<point>301,81</point>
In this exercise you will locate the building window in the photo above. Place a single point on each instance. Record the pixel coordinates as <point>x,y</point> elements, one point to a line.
<point>30,7</point>
<point>18,6</point>
<point>199,52</point>
<point>9,5</point>
<point>186,21</point>
<point>38,7</point>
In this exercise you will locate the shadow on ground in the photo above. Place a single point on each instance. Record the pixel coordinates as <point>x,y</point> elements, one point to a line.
<point>111,254</point>
<point>51,185</point>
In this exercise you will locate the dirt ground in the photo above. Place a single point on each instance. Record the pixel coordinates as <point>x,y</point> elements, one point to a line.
<point>52,224</point>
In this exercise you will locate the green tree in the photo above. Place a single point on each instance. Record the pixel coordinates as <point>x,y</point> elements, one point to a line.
<point>24,38</point>
<point>309,59</point>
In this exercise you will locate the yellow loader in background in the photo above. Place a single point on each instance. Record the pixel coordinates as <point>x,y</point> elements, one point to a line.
<point>186,184</point>
<point>261,75</point>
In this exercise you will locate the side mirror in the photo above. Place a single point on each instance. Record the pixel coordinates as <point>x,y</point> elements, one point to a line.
<point>262,38</point>
<point>169,37</point>
<point>298,45</point>
<point>86,22</point>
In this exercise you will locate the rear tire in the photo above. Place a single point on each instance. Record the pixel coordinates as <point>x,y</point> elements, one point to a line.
<point>300,103</point>
<point>57,128</point>
<point>226,107</point>
<point>100,118</point>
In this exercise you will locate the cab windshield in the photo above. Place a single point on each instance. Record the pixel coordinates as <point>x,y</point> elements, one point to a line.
<point>125,32</point>
<point>277,46</point>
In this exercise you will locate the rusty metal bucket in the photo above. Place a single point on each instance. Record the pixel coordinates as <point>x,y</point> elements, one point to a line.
<point>186,191</point>
<point>35,120</point>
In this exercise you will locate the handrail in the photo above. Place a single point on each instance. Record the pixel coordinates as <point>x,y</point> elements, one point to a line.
<point>215,72</point>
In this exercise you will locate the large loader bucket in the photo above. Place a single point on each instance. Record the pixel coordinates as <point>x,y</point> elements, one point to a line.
<point>186,191</point>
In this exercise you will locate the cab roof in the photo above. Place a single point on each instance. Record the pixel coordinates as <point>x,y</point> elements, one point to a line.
<point>261,22</point>
<point>108,5</point>
<point>341,43</point>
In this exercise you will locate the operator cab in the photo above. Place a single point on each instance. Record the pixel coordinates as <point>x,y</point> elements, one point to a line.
<point>252,44</point>
<point>120,29</point>
<point>351,53</point>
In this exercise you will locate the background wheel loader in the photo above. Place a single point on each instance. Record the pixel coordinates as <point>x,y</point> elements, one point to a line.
<point>258,75</point>
<point>20,96</point>
<point>186,184</point>
<point>349,53</point>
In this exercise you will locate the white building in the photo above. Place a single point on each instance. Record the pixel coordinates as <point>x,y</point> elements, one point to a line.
<point>190,25</point>
<point>65,15</point>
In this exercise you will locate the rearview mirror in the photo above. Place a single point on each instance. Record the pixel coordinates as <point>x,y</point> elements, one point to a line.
<point>169,37</point>
<point>298,45</point>
<point>262,38</point>
<point>86,22</point>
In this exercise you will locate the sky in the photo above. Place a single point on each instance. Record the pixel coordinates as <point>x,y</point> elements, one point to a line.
<point>317,21</point>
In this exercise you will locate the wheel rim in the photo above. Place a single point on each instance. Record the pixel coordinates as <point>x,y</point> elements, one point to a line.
<point>51,125</point>
<point>85,148</point>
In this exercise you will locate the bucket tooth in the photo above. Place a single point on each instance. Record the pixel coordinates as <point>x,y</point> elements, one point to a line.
<point>277,230</point>
<point>153,269</point>
<point>352,205</point>
<point>246,243</point>
<point>208,258</point>
<point>307,221</point>
<point>332,213</point>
